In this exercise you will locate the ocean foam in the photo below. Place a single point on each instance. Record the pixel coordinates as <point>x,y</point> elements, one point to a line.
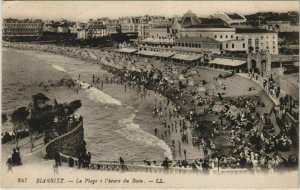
<point>98,95</point>
<point>59,68</point>
<point>133,132</point>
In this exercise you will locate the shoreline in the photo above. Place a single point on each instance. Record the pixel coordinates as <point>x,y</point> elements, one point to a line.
<point>113,69</point>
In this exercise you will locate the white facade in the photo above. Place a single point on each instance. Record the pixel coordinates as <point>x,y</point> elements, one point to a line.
<point>258,41</point>
<point>82,34</point>
<point>97,33</point>
<point>62,29</point>
<point>219,34</point>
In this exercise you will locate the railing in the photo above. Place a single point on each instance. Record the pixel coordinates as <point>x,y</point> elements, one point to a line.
<point>142,168</point>
<point>47,152</point>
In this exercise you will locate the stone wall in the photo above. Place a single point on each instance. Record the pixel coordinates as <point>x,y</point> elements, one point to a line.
<point>69,144</point>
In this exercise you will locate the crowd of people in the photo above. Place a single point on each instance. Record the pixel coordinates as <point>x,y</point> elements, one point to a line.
<point>252,136</point>
<point>11,137</point>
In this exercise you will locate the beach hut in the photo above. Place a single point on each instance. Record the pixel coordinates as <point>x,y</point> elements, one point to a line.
<point>201,89</point>
<point>191,82</point>
<point>181,77</point>
<point>157,75</point>
<point>218,107</point>
<point>149,68</point>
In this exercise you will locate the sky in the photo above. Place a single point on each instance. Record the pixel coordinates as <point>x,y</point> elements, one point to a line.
<point>84,10</point>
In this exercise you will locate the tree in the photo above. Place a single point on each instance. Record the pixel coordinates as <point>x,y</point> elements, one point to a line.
<point>35,128</point>
<point>73,106</point>
<point>37,99</point>
<point>18,117</point>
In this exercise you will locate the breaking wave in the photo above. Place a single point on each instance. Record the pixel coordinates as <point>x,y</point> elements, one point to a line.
<point>133,132</point>
<point>97,95</point>
<point>59,68</point>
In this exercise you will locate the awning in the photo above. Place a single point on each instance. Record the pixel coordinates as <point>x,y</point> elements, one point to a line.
<point>164,54</point>
<point>127,50</point>
<point>148,53</point>
<point>186,57</point>
<point>228,62</point>
<point>157,41</point>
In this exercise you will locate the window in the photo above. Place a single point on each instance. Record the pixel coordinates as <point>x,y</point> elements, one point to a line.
<point>262,37</point>
<point>200,35</point>
<point>262,44</point>
<point>267,47</point>
<point>226,45</point>
<point>226,36</point>
<point>186,35</point>
<point>231,36</point>
<point>273,47</point>
<point>273,37</point>
<point>237,37</point>
<point>221,36</point>
<point>249,42</point>
<point>267,37</point>
<point>216,36</point>
<point>244,46</point>
<point>232,46</point>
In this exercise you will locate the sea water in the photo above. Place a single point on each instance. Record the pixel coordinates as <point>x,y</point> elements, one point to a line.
<point>109,127</point>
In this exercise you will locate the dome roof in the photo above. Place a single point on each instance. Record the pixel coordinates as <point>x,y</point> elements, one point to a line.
<point>189,19</point>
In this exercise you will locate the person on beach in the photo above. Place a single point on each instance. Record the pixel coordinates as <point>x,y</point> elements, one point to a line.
<point>155,131</point>
<point>165,163</point>
<point>205,151</point>
<point>184,152</point>
<point>9,165</point>
<point>80,160</point>
<point>14,157</point>
<point>57,158</point>
<point>19,161</point>
<point>88,159</point>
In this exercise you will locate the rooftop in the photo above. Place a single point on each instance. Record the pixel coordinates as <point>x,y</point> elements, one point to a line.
<point>252,30</point>
<point>207,26</point>
<point>234,16</point>
<point>213,21</point>
<point>97,27</point>
<point>161,26</point>
<point>196,39</point>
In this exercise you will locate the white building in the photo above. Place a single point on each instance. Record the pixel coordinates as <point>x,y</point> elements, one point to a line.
<point>252,38</point>
<point>82,34</point>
